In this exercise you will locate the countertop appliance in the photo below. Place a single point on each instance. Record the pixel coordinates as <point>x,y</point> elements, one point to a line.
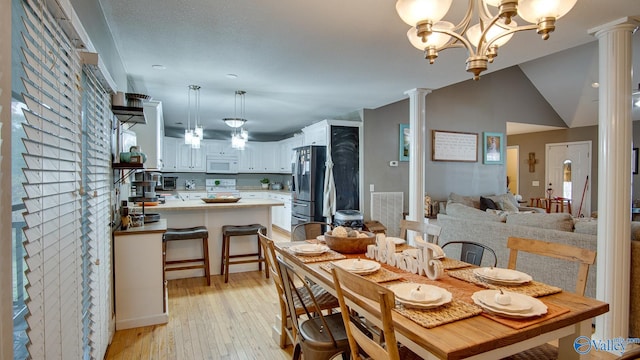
<point>307,190</point>
<point>169,182</point>
<point>221,187</point>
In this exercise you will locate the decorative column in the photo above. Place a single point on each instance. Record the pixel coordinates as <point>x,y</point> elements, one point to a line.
<point>614,175</point>
<point>417,124</point>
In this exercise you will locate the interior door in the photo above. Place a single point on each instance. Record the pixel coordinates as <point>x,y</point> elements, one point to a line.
<point>568,169</point>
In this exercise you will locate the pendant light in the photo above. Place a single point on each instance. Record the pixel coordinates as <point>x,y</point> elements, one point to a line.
<point>239,135</point>
<point>193,137</point>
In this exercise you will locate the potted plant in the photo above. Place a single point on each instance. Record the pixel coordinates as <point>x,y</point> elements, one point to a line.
<point>265,183</point>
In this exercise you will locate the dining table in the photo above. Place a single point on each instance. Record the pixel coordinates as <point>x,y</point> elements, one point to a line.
<point>461,329</point>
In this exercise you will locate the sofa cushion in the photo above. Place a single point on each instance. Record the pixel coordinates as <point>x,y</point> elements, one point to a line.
<point>586,226</point>
<point>486,203</point>
<point>506,202</point>
<point>470,201</point>
<point>555,221</point>
<point>468,212</point>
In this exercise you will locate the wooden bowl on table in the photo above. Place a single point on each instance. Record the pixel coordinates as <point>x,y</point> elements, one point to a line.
<point>350,245</point>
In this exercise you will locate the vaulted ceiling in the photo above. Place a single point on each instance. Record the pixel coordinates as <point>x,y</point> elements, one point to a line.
<point>301,62</point>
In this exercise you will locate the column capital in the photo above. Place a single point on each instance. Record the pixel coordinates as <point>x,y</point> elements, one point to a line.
<point>418,91</point>
<point>626,23</point>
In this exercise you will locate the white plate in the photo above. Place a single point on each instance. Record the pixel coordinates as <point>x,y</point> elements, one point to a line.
<point>403,292</point>
<point>396,240</point>
<point>309,249</point>
<point>502,276</point>
<point>320,238</point>
<point>358,266</point>
<point>519,303</point>
<point>537,307</point>
<point>445,298</point>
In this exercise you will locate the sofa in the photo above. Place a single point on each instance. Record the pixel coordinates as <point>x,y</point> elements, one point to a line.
<point>463,221</point>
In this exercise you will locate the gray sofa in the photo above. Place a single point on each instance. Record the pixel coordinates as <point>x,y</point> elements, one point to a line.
<point>463,222</point>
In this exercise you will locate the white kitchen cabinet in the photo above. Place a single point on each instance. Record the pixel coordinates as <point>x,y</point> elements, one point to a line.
<point>170,157</point>
<point>189,159</point>
<point>281,215</point>
<point>316,134</point>
<point>286,147</point>
<point>149,136</point>
<point>259,157</point>
<point>191,195</point>
<point>254,194</point>
<point>219,148</point>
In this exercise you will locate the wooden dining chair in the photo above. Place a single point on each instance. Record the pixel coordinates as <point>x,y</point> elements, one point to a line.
<point>325,300</point>
<point>319,336</point>
<point>429,232</point>
<point>355,287</point>
<point>585,257</point>
<point>473,252</point>
<point>309,230</point>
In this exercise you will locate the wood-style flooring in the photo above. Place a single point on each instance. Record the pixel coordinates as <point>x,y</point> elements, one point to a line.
<point>221,321</point>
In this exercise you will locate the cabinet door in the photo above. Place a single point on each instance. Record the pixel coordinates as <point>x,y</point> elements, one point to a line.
<point>286,153</point>
<point>219,148</point>
<point>246,162</point>
<point>170,158</point>
<point>267,158</point>
<point>189,159</point>
<point>315,134</point>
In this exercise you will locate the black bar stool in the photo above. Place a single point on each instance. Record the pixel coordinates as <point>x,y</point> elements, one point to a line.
<point>175,234</point>
<point>239,230</point>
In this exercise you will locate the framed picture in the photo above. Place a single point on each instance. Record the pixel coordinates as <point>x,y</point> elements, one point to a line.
<point>404,142</point>
<point>454,146</point>
<point>493,148</point>
<point>634,161</point>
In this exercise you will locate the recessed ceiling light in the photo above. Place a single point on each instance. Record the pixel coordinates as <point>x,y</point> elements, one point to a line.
<point>232,76</point>
<point>158,67</point>
<point>595,85</point>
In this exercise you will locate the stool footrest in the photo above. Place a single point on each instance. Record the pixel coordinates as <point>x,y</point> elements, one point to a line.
<point>192,267</point>
<point>184,261</point>
<point>246,261</point>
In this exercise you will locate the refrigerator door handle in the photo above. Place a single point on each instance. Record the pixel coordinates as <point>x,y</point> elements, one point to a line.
<point>300,205</point>
<point>296,165</point>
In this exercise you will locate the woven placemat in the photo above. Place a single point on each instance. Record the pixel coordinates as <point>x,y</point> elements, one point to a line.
<point>380,276</point>
<point>327,256</point>
<point>449,264</point>
<point>430,318</point>
<point>552,311</point>
<point>532,288</point>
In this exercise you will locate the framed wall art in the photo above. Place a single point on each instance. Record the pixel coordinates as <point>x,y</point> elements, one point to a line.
<point>634,161</point>
<point>454,146</point>
<point>493,148</point>
<point>404,142</point>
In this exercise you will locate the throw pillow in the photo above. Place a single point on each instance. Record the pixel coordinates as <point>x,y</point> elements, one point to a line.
<point>486,203</point>
<point>464,200</point>
<point>504,203</point>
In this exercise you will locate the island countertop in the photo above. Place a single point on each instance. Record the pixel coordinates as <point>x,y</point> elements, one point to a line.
<point>177,205</point>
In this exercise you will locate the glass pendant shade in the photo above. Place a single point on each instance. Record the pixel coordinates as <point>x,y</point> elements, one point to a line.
<point>436,39</point>
<point>414,11</point>
<point>198,132</point>
<point>234,122</point>
<point>195,142</point>
<point>188,136</point>
<point>534,10</point>
<point>474,33</point>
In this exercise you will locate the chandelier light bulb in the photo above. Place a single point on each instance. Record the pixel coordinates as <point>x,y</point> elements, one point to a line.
<point>413,12</point>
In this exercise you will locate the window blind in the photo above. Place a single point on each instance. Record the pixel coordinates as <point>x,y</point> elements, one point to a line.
<point>53,177</point>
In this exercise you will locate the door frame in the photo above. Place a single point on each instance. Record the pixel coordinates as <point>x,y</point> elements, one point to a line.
<point>517,164</point>
<point>589,143</point>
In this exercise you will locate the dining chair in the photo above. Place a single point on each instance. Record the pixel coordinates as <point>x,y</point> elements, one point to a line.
<point>430,232</point>
<point>309,230</point>
<point>325,300</point>
<point>582,256</point>
<point>354,287</point>
<point>319,336</point>
<point>472,252</point>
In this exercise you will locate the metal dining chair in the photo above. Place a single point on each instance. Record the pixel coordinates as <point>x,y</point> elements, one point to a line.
<point>472,252</point>
<point>320,337</point>
<point>309,230</point>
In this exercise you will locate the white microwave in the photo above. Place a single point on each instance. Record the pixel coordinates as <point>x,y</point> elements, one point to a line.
<point>222,164</point>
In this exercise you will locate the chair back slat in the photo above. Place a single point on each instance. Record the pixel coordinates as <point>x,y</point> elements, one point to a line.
<point>585,257</point>
<point>430,232</point>
<point>309,230</point>
<point>355,288</point>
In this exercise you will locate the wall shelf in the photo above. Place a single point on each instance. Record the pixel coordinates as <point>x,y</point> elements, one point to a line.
<point>129,114</point>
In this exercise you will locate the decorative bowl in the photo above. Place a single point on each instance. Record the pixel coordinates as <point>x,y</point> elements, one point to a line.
<point>349,245</point>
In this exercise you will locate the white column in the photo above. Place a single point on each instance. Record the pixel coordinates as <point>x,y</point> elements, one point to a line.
<point>614,175</point>
<point>417,151</point>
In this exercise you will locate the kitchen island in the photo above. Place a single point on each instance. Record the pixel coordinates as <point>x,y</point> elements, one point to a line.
<point>189,213</point>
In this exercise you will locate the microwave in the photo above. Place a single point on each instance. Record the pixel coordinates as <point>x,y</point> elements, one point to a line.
<point>222,164</point>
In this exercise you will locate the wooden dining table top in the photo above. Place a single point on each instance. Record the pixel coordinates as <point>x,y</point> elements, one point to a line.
<point>468,337</point>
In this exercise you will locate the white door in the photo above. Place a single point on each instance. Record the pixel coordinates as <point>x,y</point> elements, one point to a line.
<point>568,169</point>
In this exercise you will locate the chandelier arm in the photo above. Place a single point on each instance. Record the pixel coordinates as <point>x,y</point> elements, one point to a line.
<point>508,32</point>
<point>458,38</point>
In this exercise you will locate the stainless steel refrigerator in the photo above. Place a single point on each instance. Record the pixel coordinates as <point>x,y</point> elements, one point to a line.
<point>307,190</point>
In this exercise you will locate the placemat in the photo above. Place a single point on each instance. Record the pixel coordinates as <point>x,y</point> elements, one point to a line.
<point>380,276</point>
<point>430,318</point>
<point>532,288</point>
<point>449,264</point>
<point>552,311</point>
<point>327,256</point>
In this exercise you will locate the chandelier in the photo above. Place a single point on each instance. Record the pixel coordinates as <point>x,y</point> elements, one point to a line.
<point>482,39</point>
<point>239,135</point>
<point>193,137</point>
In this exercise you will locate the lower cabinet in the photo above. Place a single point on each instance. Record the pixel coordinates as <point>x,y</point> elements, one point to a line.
<point>280,215</point>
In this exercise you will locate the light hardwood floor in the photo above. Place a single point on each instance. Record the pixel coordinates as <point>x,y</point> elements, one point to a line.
<point>221,321</point>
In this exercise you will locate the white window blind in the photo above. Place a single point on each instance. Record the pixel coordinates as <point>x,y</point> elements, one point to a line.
<point>96,217</point>
<point>53,203</point>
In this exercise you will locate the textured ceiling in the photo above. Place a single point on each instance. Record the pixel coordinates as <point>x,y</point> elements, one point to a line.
<point>301,62</point>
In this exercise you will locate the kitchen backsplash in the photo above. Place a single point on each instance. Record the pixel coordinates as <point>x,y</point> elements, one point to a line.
<point>243,181</point>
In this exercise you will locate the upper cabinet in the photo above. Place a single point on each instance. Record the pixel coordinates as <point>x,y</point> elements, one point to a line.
<point>259,157</point>
<point>149,136</point>
<point>219,148</point>
<point>315,134</point>
<point>286,153</point>
<point>170,158</point>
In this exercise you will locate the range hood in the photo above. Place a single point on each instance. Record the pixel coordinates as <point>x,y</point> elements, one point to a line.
<point>132,111</point>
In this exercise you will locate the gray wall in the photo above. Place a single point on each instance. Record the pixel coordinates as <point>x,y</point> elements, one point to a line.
<point>471,106</point>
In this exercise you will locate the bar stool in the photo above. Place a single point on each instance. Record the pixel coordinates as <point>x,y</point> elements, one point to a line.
<point>239,230</point>
<point>176,234</point>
